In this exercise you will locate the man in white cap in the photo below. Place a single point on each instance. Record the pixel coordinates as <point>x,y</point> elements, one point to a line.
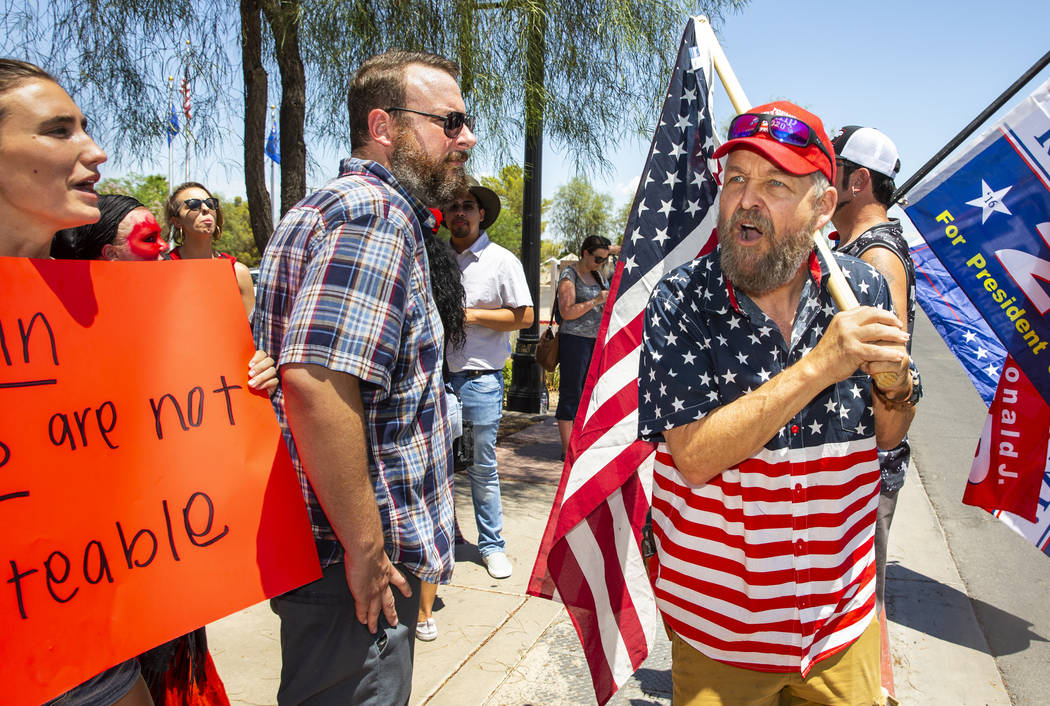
<point>867,163</point>
<point>498,301</point>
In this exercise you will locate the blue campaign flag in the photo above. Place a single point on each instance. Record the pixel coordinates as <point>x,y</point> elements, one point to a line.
<point>173,123</point>
<point>958,322</point>
<point>982,278</point>
<point>986,218</point>
<point>273,147</point>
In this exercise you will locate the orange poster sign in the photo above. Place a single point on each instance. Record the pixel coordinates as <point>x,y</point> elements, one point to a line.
<point>144,487</point>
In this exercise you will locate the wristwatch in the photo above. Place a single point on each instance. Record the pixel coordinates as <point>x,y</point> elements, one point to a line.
<point>906,402</point>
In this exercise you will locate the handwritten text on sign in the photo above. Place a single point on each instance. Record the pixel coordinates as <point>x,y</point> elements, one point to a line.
<point>144,487</point>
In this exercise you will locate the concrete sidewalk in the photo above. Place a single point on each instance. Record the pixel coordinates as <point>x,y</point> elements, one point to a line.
<point>498,646</point>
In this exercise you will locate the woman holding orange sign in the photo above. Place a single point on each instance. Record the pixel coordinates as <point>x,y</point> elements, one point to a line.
<point>47,184</point>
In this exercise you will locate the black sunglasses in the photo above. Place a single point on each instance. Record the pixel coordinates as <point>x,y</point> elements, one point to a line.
<point>782,128</point>
<point>453,122</point>
<point>195,204</point>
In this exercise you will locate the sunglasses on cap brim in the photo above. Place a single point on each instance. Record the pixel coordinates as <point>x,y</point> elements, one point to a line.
<point>782,128</point>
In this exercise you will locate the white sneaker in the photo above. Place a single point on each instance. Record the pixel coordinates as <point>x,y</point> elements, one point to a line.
<point>427,630</point>
<point>498,565</point>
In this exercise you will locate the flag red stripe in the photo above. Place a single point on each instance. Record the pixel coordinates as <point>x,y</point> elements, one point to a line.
<point>579,603</point>
<point>601,484</point>
<point>627,619</point>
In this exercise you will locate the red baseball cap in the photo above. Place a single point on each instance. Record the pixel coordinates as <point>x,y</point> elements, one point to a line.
<point>791,158</point>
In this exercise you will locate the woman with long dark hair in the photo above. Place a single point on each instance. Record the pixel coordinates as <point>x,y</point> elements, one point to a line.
<point>446,282</point>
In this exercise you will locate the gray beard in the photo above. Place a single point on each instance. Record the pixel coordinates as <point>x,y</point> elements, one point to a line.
<point>430,181</point>
<point>758,274</point>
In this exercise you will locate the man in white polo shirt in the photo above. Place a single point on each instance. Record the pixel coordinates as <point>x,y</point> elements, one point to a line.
<point>497,302</point>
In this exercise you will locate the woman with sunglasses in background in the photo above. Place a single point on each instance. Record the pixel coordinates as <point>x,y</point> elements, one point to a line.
<point>581,297</point>
<point>195,221</point>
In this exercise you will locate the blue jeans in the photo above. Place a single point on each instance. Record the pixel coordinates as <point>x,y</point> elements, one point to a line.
<point>482,399</point>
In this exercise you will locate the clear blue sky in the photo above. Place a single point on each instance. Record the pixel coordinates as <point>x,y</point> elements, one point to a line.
<point>919,71</point>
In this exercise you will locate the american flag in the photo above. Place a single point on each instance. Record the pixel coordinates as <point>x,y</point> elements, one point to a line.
<point>590,556</point>
<point>185,90</point>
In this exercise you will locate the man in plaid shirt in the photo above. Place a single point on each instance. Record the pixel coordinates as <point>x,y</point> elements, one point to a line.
<point>345,306</point>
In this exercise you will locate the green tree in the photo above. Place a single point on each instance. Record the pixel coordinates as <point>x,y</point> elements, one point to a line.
<point>151,191</point>
<point>619,225</point>
<point>509,185</point>
<point>549,249</point>
<point>237,232</point>
<point>578,211</point>
<point>596,68</point>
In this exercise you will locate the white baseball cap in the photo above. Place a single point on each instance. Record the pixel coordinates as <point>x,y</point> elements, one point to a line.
<point>869,148</point>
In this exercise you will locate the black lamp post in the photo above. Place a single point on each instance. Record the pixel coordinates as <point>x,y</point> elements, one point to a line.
<point>528,384</point>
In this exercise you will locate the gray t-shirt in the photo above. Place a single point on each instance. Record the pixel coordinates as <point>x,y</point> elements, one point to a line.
<point>586,325</point>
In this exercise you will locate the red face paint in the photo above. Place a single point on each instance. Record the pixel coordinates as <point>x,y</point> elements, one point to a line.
<point>144,240</point>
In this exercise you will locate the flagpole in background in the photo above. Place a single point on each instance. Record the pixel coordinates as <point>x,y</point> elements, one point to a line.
<point>186,106</point>
<point>273,151</point>
<point>171,126</point>
<point>969,129</point>
<point>273,167</point>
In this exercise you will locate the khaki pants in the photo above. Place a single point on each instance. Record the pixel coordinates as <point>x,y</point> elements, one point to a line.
<point>850,677</point>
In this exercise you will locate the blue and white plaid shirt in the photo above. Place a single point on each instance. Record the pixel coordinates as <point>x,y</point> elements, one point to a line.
<point>344,284</point>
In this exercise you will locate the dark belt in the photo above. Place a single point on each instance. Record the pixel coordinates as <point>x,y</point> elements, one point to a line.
<point>471,374</point>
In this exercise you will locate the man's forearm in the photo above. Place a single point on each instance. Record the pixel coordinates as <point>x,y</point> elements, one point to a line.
<point>502,319</point>
<point>736,431</point>
<point>326,416</point>
<point>891,424</point>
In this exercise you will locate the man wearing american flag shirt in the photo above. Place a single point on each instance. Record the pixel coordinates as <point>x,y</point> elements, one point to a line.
<point>761,396</point>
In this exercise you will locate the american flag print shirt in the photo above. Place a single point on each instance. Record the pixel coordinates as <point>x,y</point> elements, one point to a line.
<point>769,565</point>
<point>345,284</point>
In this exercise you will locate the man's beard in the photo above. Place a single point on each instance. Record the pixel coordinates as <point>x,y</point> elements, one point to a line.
<point>434,181</point>
<point>459,230</point>
<point>757,272</point>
